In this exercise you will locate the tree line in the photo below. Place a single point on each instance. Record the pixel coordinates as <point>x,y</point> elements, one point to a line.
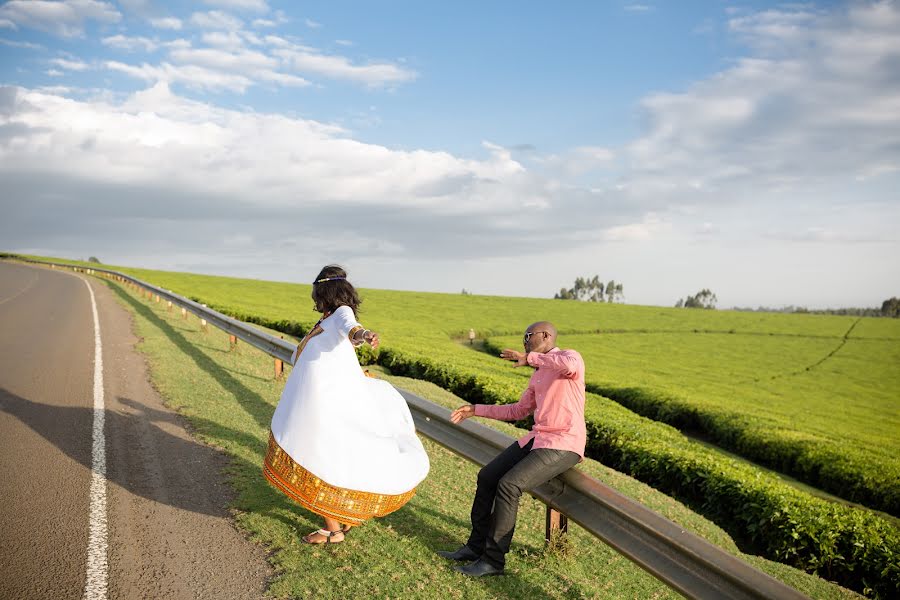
<point>591,289</point>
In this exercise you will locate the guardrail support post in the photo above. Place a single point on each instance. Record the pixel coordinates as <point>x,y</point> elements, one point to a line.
<point>232,342</point>
<point>169,305</point>
<point>279,368</point>
<point>184,313</point>
<point>556,522</point>
<point>203,324</point>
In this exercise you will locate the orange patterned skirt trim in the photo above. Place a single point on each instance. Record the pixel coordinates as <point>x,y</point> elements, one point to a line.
<point>350,507</point>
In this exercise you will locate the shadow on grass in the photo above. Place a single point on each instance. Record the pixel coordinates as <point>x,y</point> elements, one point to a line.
<point>250,401</point>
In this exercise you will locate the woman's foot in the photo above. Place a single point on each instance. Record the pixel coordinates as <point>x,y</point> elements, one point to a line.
<point>323,536</point>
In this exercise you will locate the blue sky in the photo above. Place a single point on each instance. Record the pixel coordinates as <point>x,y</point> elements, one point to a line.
<point>752,148</point>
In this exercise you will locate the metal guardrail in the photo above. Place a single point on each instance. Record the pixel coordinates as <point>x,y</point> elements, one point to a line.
<point>680,559</point>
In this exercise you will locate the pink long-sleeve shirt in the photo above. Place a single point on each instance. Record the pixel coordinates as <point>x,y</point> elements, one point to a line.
<point>555,395</point>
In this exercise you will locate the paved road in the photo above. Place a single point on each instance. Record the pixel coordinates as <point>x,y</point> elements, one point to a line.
<point>169,532</point>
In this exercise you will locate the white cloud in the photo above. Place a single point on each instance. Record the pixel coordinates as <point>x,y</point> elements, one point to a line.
<point>279,18</point>
<point>7,24</point>
<point>819,100</point>
<point>241,61</point>
<point>189,75</point>
<point>65,18</point>
<point>312,24</point>
<point>70,65</point>
<point>223,40</point>
<point>185,152</point>
<point>216,20</point>
<point>638,8</point>
<point>310,60</point>
<point>343,42</point>
<point>649,228</point>
<point>130,44</point>
<point>54,73</point>
<point>167,23</point>
<point>18,44</point>
<point>250,5</point>
<point>278,42</point>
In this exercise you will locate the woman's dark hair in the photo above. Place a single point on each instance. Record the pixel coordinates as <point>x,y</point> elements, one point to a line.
<point>331,290</point>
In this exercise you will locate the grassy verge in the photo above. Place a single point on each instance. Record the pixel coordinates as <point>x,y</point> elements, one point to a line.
<point>228,397</point>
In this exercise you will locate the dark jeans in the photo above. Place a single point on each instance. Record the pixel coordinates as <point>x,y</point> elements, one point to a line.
<point>500,486</point>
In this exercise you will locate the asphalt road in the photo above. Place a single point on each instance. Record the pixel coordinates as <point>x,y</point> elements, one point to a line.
<point>169,531</point>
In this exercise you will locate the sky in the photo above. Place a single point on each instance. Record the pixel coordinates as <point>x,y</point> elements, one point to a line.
<point>504,148</point>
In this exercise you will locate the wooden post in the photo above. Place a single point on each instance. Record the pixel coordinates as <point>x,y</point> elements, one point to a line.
<point>556,522</point>
<point>169,305</point>
<point>232,342</point>
<point>279,368</point>
<point>184,313</point>
<point>157,298</point>
<point>203,324</point>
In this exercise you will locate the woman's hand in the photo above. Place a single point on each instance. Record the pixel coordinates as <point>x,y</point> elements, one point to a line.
<point>462,413</point>
<point>520,358</point>
<point>372,338</point>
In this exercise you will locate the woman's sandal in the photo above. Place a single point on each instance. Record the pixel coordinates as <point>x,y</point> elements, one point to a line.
<point>326,534</point>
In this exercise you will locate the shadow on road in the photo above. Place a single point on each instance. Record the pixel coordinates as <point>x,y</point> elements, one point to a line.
<point>143,458</point>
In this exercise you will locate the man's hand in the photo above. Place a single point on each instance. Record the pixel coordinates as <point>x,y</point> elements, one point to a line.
<point>462,413</point>
<point>520,358</point>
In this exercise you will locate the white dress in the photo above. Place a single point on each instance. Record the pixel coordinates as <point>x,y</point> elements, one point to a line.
<point>342,444</point>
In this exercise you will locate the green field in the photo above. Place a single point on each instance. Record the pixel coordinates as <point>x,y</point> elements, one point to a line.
<point>823,409</point>
<point>229,396</point>
<point>711,371</point>
<point>741,378</point>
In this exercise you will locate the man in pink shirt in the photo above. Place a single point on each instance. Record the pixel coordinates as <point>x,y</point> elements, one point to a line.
<point>555,395</point>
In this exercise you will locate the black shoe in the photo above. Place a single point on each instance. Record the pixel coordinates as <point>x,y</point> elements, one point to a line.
<point>463,553</point>
<point>479,568</point>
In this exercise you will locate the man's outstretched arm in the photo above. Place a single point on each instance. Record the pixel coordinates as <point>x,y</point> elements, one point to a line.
<point>501,412</point>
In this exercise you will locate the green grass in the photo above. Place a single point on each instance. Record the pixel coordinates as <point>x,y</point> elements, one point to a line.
<point>229,396</point>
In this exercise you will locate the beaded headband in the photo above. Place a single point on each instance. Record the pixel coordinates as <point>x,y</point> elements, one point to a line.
<point>328,279</point>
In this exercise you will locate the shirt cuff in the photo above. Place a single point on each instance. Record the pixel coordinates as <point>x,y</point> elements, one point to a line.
<point>480,410</point>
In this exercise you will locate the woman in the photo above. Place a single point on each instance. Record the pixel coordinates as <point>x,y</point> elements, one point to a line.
<point>342,445</point>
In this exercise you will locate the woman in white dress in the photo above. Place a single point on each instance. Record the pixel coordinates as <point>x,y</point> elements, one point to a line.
<point>343,445</point>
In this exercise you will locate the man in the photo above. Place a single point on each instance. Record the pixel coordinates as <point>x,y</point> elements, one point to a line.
<point>555,394</point>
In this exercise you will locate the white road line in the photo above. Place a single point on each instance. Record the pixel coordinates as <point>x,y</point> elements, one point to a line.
<point>97,563</point>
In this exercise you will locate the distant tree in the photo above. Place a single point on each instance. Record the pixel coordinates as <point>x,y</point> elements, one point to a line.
<point>891,308</point>
<point>466,292</point>
<point>585,289</point>
<point>94,259</point>
<point>680,303</point>
<point>702,299</point>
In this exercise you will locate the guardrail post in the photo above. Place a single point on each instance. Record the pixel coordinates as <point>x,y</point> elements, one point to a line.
<point>157,298</point>
<point>203,324</point>
<point>279,365</point>
<point>232,342</point>
<point>184,313</point>
<point>169,305</point>
<point>557,523</point>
